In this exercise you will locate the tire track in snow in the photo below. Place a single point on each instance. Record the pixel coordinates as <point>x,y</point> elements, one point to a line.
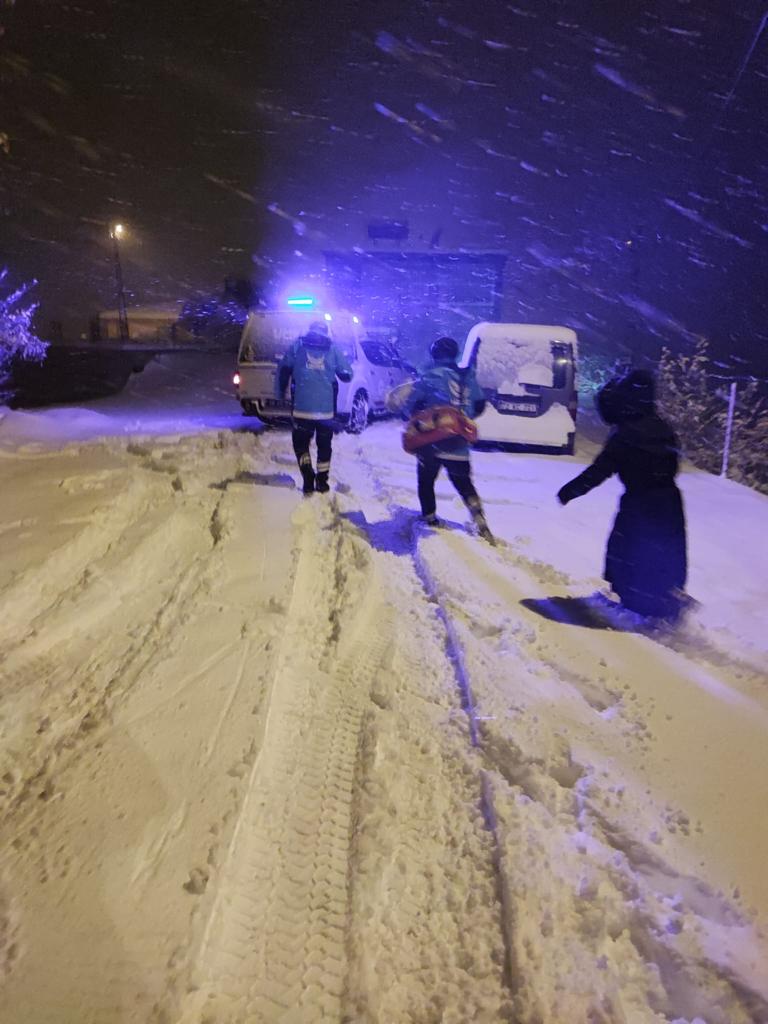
<point>454,652</point>
<point>276,941</point>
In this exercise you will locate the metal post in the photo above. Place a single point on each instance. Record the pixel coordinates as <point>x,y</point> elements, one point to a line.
<point>122,312</point>
<point>728,428</point>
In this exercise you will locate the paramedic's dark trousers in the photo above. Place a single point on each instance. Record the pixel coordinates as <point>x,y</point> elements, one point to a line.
<point>459,473</point>
<point>303,432</point>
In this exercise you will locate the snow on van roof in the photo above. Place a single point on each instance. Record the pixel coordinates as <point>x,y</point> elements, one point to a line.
<point>522,332</point>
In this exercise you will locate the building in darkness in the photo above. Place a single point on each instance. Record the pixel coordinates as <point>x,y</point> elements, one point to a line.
<point>418,295</point>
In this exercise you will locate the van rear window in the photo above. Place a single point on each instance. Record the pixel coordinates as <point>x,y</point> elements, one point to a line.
<point>265,341</point>
<point>507,365</point>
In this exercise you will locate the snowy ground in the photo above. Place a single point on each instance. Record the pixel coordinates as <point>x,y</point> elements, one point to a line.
<point>267,759</point>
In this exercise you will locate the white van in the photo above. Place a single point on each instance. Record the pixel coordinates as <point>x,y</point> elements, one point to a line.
<point>528,375</point>
<point>376,365</point>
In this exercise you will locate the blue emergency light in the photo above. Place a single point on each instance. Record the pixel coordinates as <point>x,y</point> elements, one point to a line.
<point>301,300</point>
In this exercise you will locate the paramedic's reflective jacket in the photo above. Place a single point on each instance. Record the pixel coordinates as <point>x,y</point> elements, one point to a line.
<point>314,362</point>
<point>443,383</point>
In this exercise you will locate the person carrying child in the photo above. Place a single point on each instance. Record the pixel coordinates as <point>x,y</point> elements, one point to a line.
<point>442,403</point>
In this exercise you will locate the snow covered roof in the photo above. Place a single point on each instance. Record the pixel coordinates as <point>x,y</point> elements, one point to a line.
<point>169,311</point>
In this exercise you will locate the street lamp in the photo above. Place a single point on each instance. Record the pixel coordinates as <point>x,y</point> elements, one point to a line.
<point>116,232</point>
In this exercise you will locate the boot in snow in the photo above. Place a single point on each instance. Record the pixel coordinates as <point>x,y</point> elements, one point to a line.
<point>482,527</point>
<point>308,477</point>
<point>321,483</point>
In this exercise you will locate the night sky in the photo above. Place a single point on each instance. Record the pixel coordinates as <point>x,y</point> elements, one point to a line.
<point>617,151</point>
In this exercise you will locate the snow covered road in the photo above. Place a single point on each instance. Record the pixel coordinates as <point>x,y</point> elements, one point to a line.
<point>239,784</point>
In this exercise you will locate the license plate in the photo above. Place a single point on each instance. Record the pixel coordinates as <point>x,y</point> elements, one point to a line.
<point>529,407</point>
<point>274,403</point>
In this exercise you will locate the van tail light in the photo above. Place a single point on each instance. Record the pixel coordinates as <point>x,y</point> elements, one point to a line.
<point>236,380</point>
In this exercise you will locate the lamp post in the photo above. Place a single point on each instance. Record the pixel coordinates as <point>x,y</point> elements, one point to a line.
<point>116,232</point>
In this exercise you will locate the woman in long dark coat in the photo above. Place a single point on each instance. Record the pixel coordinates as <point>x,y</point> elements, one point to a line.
<point>645,561</point>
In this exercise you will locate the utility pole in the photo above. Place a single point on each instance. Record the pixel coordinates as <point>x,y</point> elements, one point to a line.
<point>116,233</point>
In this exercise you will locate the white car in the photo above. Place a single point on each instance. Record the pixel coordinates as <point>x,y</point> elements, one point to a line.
<point>528,376</point>
<point>376,364</point>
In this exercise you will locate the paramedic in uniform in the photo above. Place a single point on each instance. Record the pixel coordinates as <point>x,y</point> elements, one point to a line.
<point>314,363</point>
<point>444,384</point>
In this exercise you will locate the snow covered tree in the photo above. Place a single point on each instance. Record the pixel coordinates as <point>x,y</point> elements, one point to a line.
<point>696,405</point>
<point>692,406</point>
<point>17,339</point>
